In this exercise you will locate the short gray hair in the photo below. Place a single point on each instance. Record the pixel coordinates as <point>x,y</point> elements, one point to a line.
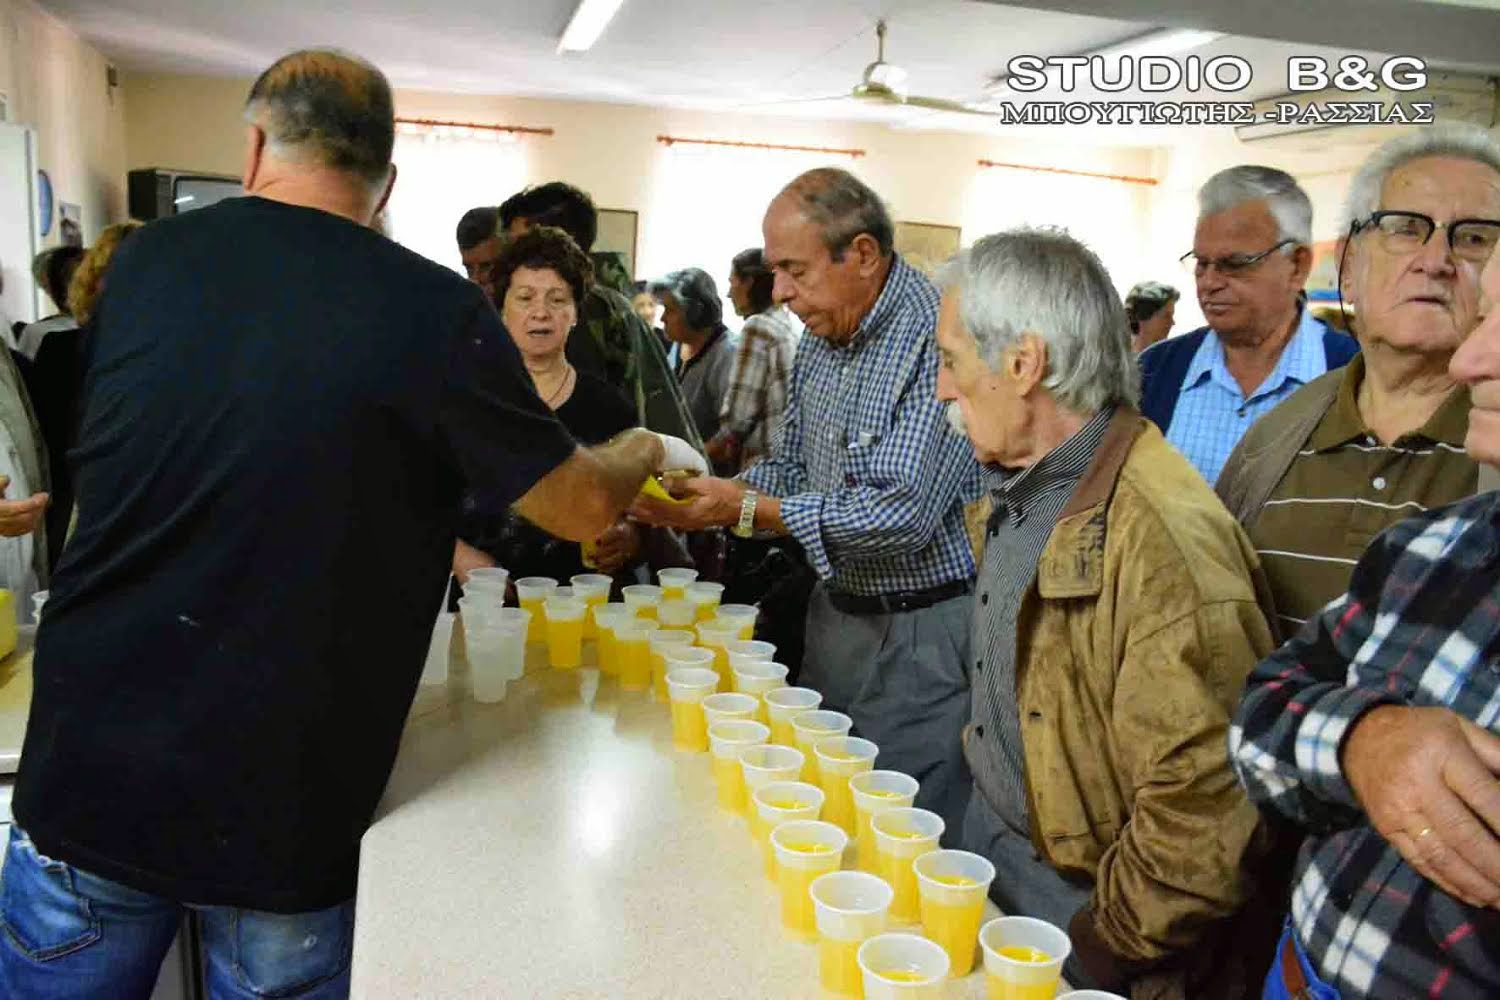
<point>327,107</point>
<point>843,207</point>
<point>1284,197</point>
<point>1464,142</point>
<point>1043,281</point>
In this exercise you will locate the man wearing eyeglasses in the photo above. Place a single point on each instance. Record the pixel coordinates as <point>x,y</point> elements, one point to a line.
<point>1250,258</point>
<point>1355,451</point>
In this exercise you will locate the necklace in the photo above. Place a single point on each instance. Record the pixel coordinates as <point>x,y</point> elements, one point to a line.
<point>568,373</point>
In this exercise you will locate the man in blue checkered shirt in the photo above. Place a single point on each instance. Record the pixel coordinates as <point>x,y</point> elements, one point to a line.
<point>1377,732</point>
<point>865,476</point>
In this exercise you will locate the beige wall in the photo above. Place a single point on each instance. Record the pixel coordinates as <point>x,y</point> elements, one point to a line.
<point>56,83</point>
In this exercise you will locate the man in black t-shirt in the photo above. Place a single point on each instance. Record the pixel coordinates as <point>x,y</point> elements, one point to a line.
<point>281,411</point>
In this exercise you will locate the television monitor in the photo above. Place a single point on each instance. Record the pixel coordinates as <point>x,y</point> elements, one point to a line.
<point>155,193</point>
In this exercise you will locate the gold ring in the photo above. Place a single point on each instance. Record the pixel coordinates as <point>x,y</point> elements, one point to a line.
<point>1425,831</point>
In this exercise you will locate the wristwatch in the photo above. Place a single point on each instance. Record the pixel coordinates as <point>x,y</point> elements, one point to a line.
<point>746,527</point>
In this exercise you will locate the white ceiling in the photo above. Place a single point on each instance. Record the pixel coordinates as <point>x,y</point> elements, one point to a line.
<point>676,53</point>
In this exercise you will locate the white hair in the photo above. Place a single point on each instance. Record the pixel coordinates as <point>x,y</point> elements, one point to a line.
<point>1043,281</point>
<point>1284,197</point>
<point>1464,142</point>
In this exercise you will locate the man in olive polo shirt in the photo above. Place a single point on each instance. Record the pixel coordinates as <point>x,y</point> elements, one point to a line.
<point>1353,452</point>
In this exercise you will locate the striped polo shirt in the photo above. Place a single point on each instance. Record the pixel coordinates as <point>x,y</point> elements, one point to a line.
<point>1345,487</point>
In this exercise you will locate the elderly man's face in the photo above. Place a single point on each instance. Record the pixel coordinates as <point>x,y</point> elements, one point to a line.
<point>829,296</point>
<point>1477,364</point>
<point>1243,305</point>
<point>479,262</point>
<point>1426,300</point>
<point>990,411</point>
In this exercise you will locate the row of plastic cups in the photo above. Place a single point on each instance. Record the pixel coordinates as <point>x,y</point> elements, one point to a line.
<point>898,966</point>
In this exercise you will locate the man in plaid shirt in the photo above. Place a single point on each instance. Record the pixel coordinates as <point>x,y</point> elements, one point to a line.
<point>1375,731</point>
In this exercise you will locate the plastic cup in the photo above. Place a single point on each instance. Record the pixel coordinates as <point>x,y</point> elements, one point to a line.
<point>678,657</point>
<point>705,598</point>
<point>839,759</point>
<point>716,635</point>
<point>606,616</point>
<point>902,836</point>
<point>435,667</point>
<point>479,605</point>
<point>674,582</point>
<point>726,741</point>
<point>951,889</point>
<point>687,687</point>
<point>487,577</point>
<point>658,642</point>
<point>728,707</point>
<point>780,802</point>
<point>747,651</point>
<point>804,850</point>
<point>633,651</point>
<point>903,967</point>
<point>763,765</point>
<point>755,677</point>
<point>785,704</point>
<point>810,727</point>
<point>742,616</point>
<point>874,792</point>
<point>38,599</point>
<point>642,599</point>
<point>593,588</point>
<point>564,631</point>
<point>677,614</point>
<point>496,650</point>
<point>1023,958</point>
<point>849,908</point>
<point>531,591</point>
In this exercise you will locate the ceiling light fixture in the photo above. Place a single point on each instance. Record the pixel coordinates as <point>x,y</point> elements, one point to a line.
<point>589,20</point>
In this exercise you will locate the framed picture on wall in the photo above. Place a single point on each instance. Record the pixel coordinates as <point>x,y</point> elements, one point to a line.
<point>926,245</point>
<point>614,247</point>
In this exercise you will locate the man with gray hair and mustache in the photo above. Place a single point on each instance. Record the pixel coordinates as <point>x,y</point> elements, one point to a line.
<point>1119,609</point>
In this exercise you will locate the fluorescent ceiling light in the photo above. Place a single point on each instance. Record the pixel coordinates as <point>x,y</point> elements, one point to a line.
<point>590,18</point>
<point>1158,42</point>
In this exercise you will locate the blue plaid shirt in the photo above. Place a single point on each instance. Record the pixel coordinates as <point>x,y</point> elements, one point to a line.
<point>1213,414</point>
<point>1419,626</point>
<point>872,481</point>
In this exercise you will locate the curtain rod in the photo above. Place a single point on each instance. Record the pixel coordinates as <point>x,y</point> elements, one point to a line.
<point>514,129</point>
<point>1148,181</point>
<point>670,140</point>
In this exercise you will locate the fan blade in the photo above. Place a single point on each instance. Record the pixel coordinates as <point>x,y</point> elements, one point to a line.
<point>940,104</point>
<point>782,102</point>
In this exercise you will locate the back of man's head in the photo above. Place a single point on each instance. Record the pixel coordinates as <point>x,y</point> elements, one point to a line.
<point>476,226</point>
<point>554,204</point>
<point>319,107</point>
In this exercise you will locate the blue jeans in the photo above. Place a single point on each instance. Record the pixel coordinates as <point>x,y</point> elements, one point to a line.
<point>68,935</point>
<point>1276,986</point>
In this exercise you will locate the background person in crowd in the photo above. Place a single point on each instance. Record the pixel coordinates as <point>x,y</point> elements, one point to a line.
<point>756,396</point>
<point>1250,258</point>
<point>1118,617</point>
<point>703,352</point>
<point>53,270</point>
<point>24,492</point>
<point>1375,731</point>
<point>1356,450</point>
<point>866,477</point>
<point>267,490</point>
<point>479,241</point>
<point>1150,309</point>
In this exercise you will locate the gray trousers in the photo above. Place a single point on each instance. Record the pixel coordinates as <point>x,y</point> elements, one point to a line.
<point>903,679</point>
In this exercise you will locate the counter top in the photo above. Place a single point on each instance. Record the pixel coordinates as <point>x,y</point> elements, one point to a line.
<point>554,845</point>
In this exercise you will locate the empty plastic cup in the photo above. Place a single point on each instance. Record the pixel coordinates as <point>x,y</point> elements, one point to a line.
<point>605,617</point>
<point>593,588</point>
<point>658,642</point>
<point>903,967</point>
<point>785,704</point>
<point>705,598</point>
<point>902,836</point>
<point>804,850</point>
<point>674,582</point>
<point>742,651</point>
<point>951,888</point>
<point>564,631</point>
<point>742,616</point>
<point>875,792</point>
<point>763,765</point>
<point>531,591</point>
<point>632,650</point>
<point>716,635</point>
<point>1023,958</point>
<point>755,677</point>
<point>781,802</point>
<point>487,576</point>
<point>839,759</point>
<point>677,614</point>
<point>496,650</point>
<point>726,741</point>
<point>477,606</point>
<point>810,727</point>
<point>687,687</point>
<point>679,657</point>
<point>850,908</point>
<point>642,599</point>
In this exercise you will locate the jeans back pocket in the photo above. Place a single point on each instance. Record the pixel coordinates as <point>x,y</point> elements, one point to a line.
<point>41,909</point>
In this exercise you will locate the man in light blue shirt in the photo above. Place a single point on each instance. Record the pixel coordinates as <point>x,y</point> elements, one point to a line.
<point>1250,258</point>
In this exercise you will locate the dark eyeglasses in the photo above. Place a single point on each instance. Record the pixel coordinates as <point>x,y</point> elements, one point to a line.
<point>1402,233</point>
<point>1235,263</point>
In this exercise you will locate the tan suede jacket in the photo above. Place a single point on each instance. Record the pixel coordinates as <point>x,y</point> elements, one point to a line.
<point>1148,611</point>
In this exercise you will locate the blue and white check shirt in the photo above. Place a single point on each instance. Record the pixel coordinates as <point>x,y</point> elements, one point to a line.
<point>872,480</point>
<point>1212,412</point>
<point>1419,626</point>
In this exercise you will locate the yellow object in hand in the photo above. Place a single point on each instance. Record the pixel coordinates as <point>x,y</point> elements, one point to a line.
<point>652,488</point>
